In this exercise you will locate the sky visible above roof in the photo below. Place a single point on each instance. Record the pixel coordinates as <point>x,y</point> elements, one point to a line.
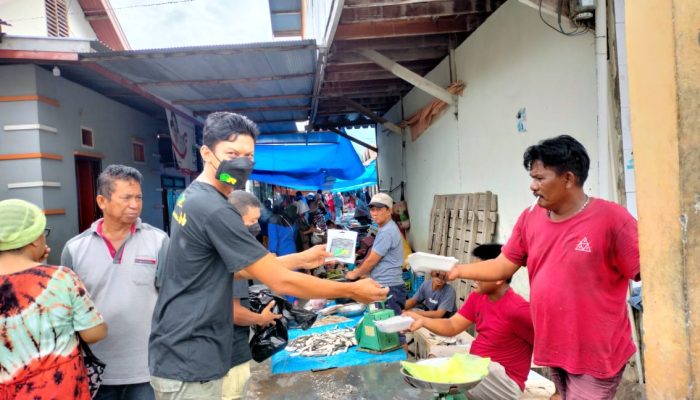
<point>150,24</point>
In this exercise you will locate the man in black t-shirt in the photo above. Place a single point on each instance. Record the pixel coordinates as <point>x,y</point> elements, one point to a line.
<point>190,344</point>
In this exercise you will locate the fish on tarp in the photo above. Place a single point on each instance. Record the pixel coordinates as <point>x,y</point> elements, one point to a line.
<point>328,343</point>
<point>330,320</point>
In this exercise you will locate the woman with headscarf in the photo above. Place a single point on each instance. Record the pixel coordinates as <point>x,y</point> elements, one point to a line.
<point>41,310</point>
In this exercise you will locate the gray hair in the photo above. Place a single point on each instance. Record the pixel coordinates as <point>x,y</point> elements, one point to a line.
<point>243,201</point>
<point>116,172</point>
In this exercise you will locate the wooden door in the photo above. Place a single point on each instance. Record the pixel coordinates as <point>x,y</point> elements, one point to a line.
<point>87,169</point>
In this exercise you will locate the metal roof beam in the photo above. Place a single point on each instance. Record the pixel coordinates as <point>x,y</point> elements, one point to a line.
<point>366,91</point>
<point>371,115</point>
<point>241,99</point>
<point>195,82</point>
<point>254,109</point>
<point>436,54</point>
<point>285,12</point>
<point>409,76</point>
<point>334,122</point>
<point>378,44</point>
<point>382,3</point>
<point>366,75</point>
<point>275,121</point>
<point>396,12</point>
<point>149,96</point>
<point>352,139</point>
<point>372,67</point>
<point>288,33</point>
<point>412,27</point>
<point>222,50</point>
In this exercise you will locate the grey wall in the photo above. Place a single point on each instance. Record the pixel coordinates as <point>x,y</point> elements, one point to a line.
<point>114,125</point>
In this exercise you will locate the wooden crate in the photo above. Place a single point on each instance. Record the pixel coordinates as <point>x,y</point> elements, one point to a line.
<point>458,223</point>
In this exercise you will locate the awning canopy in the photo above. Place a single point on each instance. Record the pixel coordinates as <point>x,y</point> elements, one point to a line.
<point>368,178</point>
<point>306,161</point>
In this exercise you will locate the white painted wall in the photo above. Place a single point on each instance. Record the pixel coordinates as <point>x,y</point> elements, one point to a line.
<point>28,18</point>
<point>78,26</point>
<point>511,61</point>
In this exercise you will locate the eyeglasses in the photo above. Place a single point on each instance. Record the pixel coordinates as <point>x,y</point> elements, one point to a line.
<point>46,232</point>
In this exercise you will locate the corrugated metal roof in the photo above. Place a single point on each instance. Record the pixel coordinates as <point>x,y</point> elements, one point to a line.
<point>265,81</point>
<point>219,48</point>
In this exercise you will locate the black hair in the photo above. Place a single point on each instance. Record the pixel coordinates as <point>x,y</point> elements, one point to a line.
<point>488,252</point>
<point>563,154</point>
<point>298,193</point>
<point>226,126</point>
<point>115,172</point>
<point>243,201</point>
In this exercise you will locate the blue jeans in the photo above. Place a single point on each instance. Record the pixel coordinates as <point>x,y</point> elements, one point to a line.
<point>136,391</point>
<point>397,303</point>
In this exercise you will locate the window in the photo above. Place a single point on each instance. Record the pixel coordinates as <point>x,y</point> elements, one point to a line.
<point>56,18</point>
<point>139,151</point>
<point>87,138</point>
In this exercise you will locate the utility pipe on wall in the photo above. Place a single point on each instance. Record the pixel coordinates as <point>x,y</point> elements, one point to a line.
<point>601,57</point>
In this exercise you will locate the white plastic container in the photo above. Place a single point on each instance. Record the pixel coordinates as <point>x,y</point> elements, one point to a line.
<point>394,324</point>
<point>426,262</point>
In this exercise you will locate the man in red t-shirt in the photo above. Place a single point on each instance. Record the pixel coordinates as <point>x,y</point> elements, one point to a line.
<point>580,253</point>
<point>504,330</point>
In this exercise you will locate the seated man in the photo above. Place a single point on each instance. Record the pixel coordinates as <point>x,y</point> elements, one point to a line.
<point>504,328</point>
<point>434,298</point>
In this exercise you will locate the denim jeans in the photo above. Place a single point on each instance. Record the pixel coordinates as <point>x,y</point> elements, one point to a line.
<point>397,303</point>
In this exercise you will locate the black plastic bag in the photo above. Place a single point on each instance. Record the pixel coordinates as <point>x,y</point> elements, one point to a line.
<point>299,317</point>
<point>269,340</point>
<point>296,317</point>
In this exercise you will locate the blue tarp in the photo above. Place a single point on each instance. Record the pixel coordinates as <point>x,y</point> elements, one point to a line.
<point>283,363</point>
<point>368,178</point>
<point>306,161</point>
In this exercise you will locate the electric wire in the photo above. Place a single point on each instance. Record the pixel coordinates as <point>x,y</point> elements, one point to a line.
<point>580,29</point>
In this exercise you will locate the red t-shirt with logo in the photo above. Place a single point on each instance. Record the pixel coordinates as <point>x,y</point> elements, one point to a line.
<point>504,330</point>
<point>579,270</point>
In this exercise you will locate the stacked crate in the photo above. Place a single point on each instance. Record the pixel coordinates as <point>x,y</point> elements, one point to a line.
<point>458,223</point>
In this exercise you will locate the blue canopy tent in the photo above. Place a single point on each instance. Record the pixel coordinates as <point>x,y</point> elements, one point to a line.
<point>306,161</point>
<point>368,178</point>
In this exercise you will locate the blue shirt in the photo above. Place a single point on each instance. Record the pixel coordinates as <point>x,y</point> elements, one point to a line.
<point>388,245</point>
<point>281,237</point>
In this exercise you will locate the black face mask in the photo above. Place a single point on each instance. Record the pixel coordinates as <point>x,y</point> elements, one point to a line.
<point>254,229</point>
<point>234,172</point>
